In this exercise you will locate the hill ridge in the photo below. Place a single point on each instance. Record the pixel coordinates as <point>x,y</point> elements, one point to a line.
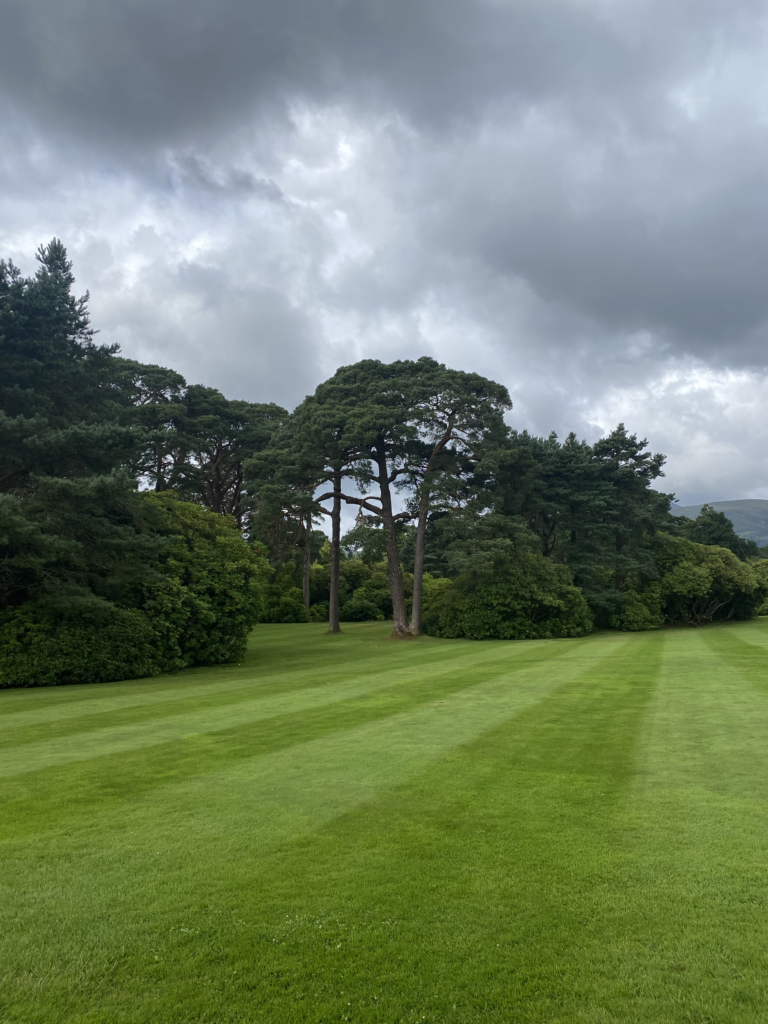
<point>748,515</point>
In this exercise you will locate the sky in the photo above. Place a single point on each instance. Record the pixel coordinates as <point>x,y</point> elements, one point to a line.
<point>567,196</point>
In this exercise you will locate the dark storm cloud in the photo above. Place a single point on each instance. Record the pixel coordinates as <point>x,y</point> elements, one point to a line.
<point>192,170</point>
<point>683,256</point>
<point>158,70</point>
<point>152,72</point>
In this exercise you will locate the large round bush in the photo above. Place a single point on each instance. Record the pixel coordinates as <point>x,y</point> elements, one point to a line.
<point>358,609</point>
<point>209,588</point>
<point>193,603</point>
<point>531,599</point>
<point>704,583</point>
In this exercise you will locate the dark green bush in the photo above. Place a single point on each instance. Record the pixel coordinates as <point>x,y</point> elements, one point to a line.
<point>532,599</point>
<point>639,611</point>
<point>212,587</point>
<point>375,590</point>
<point>93,645</point>
<point>358,582</point>
<point>283,600</point>
<point>284,606</point>
<point>318,612</point>
<point>352,574</point>
<point>358,609</point>
<point>194,603</point>
<point>704,583</point>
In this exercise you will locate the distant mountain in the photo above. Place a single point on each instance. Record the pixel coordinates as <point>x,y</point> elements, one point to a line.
<point>748,515</point>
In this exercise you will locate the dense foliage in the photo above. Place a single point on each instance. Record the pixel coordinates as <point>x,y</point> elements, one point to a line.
<point>532,599</point>
<point>713,527</point>
<point>207,592</point>
<point>146,523</point>
<point>97,579</point>
<point>191,600</point>
<point>703,583</point>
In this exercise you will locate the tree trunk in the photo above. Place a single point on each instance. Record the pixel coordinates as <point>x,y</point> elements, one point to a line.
<point>159,482</point>
<point>307,558</point>
<point>237,493</point>
<point>333,604</point>
<point>418,564</point>
<point>421,530</point>
<point>399,610</point>
<point>618,575</point>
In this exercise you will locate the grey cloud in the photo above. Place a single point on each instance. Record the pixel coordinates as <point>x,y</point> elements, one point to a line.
<point>567,195</point>
<point>145,71</point>
<point>193,171</point>
<point>209,323</point>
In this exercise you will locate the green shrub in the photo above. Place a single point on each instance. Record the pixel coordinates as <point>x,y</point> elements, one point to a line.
<point>319,583</point>
<point>318,612</point>
<point>760,569</point>
<point>376,591</point>
<point>639,611</point>
<point>360,585</point>
<point>96,644</point>
<point>433,586</point>
<point>357,609</point>
<point>704,583</point>
<point>193,604</point>
<point>283,600</point>
<point>285,606</point>
<point>212,587</point>
<point>532,599</point>
<point>353,574</point>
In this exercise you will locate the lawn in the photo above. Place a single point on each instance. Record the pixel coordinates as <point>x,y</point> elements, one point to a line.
<point>354,829</point>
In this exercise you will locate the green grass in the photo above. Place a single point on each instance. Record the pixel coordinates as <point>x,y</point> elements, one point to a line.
<point>351,829</point>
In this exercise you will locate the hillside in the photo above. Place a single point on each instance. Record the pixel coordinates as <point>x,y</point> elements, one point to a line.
<point>748,515</point>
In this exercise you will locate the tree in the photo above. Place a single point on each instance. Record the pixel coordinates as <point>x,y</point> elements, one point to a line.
<point>636,509</point>
<point>219,435</point>
<point>50,362</point>
<point>409,425</point>
<point>454,414</point>
<point>558,490</point>
<point>58,405</point>
<point>155,403</point>
<point>372,405</point>
<point>307,453</point>
<point>590,507</point>
<point>197,441</point>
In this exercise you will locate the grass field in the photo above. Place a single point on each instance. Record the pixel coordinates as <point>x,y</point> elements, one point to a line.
<point>353,829</point>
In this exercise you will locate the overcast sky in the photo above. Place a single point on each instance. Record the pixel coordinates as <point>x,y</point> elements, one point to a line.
<point>569,196</point>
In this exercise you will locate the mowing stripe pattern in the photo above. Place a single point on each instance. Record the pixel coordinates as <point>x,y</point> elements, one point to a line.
<point>353,829</point>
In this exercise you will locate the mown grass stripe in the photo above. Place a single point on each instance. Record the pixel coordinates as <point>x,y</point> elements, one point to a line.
<point>260,676</point>
<point>77,788</point>
<point>39,754</point>
<point>218,702</point>
<point>699,809</point>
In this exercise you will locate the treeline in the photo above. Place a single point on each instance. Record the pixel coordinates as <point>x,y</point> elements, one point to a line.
<point>146,524</point>
<point>500,534</point>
